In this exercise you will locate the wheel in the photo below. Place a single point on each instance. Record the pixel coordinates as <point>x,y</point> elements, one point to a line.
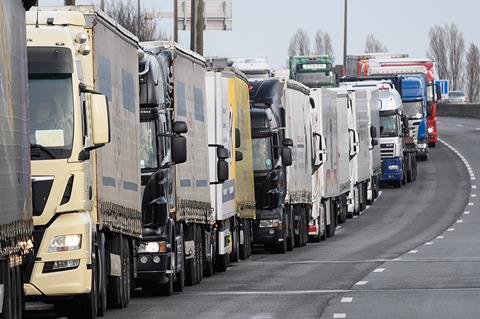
<point>163,289</point>
<point>342,217</point>
<point>179,283</point>
<point>323,235</point>
<point>235,255</point>
<point>306,214</point>
<point>13,291</point>
<point>115,289</point>
<point>297,229</point>
<point>190,263</point>
<point>432,144</point>
<point>291,229</point>
<point>281,247</point>
<point>126,271</point>
<point>397,184</point>
<point>102,278</point>
<point>85,306</point>
<point>333,219</point>
<point>208,246</point>
<point>200,256</point>
<point>404,178</point>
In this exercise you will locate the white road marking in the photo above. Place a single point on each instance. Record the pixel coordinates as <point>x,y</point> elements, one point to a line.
<point>477,129</point>
<point>361,283</point>
<point>474,186</point>
<point>440,237</point>
<point>397,259</point>
<point>379,270</point>
<point>471,204</point>
<point>474,195</point>
<point>459,125</point>
<point>413,251</point>
<point>466,213</point>
<point>339,315</point>
<point>347,299</point>
<point>459,221</point>
<point>429,243</point>
<point>451,229</point>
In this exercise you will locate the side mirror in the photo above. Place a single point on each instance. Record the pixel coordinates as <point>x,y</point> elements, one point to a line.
<point>100,120</point>
<point>373,132</point>
<point>180,127</point>
<point>222,153</point>
<point>374,143</point>
<point>238,140</point>
<point>405,122</point>
<point>287,156</point>
<point>238,156</point>
<point>312,102</point>
<point>288,142</point>
<point>222,170</point>
<point>179,149</point>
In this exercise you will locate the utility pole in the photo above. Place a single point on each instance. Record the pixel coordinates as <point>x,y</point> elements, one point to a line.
<point>193,24</point>
<point>345,38</point>
<point>138,17</point>
<point>175,20</point>
<point>200,26</point>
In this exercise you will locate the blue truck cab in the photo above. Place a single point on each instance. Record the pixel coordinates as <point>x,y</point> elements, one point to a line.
<point>414,98</point>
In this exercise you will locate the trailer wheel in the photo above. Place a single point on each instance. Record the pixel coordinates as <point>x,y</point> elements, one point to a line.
<point>208,247</point>
<point>333,220</point>
<point>245,248</point>
<point>281,247</point>
<point>342,216</point>
<point>115,284</point>
<point>323,235</point>
<point>200,256</point>
<point>179,283</point>
<point>291,228</point>
<point>13,291</point>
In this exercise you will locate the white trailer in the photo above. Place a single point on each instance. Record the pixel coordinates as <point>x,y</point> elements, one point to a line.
<point>228,113</point>
<point>367,94</point>
<point>299,174</point>
<point>16,223</point>
<point>331,175</point>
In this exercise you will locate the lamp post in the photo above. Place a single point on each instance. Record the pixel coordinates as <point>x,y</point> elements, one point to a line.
<point>345,37</point>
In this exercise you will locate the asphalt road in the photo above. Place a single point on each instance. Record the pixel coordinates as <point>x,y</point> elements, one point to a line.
<point>388,263</point>
<point>414,254</point>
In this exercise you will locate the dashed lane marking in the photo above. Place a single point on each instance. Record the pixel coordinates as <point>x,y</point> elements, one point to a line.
<point>429,243</point>
<point>466,213</point>
<point>361,283</point>
<point>379,270</point>
<point>347,299</point>
<point>440,237</point>
<point>459,221</point>
<point>414,251</point>
<point>451,229</point>
<point>339,315</point>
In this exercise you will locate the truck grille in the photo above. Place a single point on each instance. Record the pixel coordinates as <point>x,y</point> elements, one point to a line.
<point>387,150</point>
<point>41,187</point>
<point>414,129</point>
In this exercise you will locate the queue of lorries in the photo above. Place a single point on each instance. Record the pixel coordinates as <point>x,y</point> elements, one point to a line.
<point>152,166</point>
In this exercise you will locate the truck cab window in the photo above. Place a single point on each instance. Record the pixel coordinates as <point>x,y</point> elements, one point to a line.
<point>148,146</point>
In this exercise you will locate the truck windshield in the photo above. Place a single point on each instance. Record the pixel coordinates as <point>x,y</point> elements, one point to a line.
<point>388,125</point>
<point>414,110</point>
<point>51,115</point>
<point>148,146</point>
<point>262,154</point>
<point>315,79</point>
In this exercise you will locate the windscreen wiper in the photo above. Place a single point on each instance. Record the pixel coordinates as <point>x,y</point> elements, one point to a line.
<point>38,147</point>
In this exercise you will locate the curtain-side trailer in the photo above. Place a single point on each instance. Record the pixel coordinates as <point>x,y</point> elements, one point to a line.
<point>16,222</point>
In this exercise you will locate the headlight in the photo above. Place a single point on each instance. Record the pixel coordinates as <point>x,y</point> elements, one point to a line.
<point>387,145</point>
<point>152,247</point>
<point>264,223</point>
<point>430,130</point>
<point>393,167</point>
<point>65,243</point>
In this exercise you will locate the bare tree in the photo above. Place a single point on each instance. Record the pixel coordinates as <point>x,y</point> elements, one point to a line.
<point>373,45</point>
<point>126,15</point>
<point>323,44</point>
<point>437,50</point>
<point>472,73</point>
<point>299,44</point>
<point>456,54</point>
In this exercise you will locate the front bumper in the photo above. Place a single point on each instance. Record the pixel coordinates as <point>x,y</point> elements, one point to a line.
<point>62,282</point>
<point>267,235</point>
<point>149,271</point>
<point>389,175</point>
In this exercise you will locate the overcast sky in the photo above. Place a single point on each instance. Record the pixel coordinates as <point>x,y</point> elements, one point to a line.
<point>264,27</point>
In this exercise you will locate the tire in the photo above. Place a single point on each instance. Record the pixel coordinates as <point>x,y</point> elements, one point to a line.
<point>397,184</point>
<point>115,287</point>
<point>179,283</point>
<point>126,271</point>
<point>85,306</point>
<point>297,228</point>
<point>432,144</point>
<point>342,217</point>
<point>235,255</point>
<point>333,221</point>
<point>200,256</point>
<point>323,236</point>
<point>164,289</point>
<point>281,247</point>
<point>190,263</point>
<point>208,261</point>
<point>306,214</point>
<point>291,232</point>
<point>245,251</point>
<point>102,278</point>
<point>13,291</point>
